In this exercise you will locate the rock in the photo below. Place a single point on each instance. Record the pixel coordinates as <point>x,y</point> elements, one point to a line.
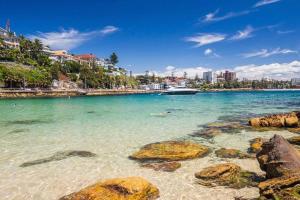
<point>255,145</point>
<point>286,187</point>
<point>231,153</point>
<point>227,174</point>
<point>294,140</point>
<point>163,166</point>
<point>59,156</point>
<point>277,120</point>
<point>131,188</point>
<point>170,151</point>
<point>278,157</point>
<point>294,130</point>
<point>207,133</point>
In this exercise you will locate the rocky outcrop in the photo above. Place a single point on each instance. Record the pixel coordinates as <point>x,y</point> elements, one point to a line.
<point>255,145</point>
<point>162,166</point>
<point>170,151</point>
<point>227,174</point>
<point>278,157</point>
<point>132,188</point>
<point>231,153</point>
<point>277,120</point>
<point>281,162</point>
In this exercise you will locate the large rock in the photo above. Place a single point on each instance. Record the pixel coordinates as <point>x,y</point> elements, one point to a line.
<point>277,120</point>
<point>170,151</point>
<point>132,188</point>
<point>278,157</point>
<point>227,174</point>
<point>256,144</point>
<point>163,166</point>
<point>231,153</point>
<point>286,187</point>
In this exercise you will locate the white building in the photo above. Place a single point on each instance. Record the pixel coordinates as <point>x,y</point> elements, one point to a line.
<point>209,77</point>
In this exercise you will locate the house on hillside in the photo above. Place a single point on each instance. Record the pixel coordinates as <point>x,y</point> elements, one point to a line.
<point>10,38</point>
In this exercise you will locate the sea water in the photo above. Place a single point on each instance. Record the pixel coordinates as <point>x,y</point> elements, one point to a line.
<point>113,127</point>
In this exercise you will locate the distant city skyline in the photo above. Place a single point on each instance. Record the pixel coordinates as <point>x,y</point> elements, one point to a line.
<point>255,38</point>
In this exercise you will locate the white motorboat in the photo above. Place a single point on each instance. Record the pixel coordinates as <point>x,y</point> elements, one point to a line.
<point>180,90</point>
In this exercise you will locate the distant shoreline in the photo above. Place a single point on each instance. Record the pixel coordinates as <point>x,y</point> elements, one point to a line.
<point>10,94</point>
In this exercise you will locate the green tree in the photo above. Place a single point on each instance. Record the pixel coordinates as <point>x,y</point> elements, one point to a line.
<point>114,58</point>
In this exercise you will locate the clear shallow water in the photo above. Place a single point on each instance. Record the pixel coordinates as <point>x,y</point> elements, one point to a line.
<point>115,126</point>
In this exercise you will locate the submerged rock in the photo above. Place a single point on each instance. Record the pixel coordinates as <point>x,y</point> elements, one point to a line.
<point>131,188</point>
<point>278,157</point>
<point>207,133</point>
<point>170,151</point>
<point>59,156</point>
<point>286,187</point>
<point>231,153</point>
<point>255,145</point>
<point>227,174</point>
<point>277,120</point>
<point>163,166</point>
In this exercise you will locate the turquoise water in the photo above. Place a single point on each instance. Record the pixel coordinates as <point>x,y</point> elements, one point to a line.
<point>113,127</point>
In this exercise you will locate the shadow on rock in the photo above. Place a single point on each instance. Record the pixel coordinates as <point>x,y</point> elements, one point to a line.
<point>59,156</point>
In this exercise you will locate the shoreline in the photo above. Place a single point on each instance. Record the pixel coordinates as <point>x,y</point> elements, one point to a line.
<point>11,94</point>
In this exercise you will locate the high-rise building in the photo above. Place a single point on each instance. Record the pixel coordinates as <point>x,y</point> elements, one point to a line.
<point>229,76</point>
<point>295,82</point>
<point>208,77</point>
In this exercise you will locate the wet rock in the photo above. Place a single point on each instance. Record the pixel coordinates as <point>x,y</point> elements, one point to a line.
<point>277,120</point>
<point>163,166</point>
<point>294,140</point>
<point>286,187</point>
<point>59,156</point>
<point>255,145</point>
<point>227,127</point>
<point>278,157</point>
<point>170,151</point>
<point>227,174</point>
<point>131,188</point>
<point>231,153</point>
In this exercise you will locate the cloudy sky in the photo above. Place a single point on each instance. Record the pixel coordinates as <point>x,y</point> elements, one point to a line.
<point>256,38</point>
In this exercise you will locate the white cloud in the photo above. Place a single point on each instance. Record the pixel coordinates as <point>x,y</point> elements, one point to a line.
<point>204,39</point>
<point>265,2</point>
<point>285,32</point>
<point>70,39</point>
<point>263,53</point>
<point>109,29</point>
<point>243,34</point>
<point>208,52</point>
<point>212,17</point>
<point>278,71</point>
<point>211,53</point>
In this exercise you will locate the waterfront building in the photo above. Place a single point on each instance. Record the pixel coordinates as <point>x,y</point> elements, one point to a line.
<point>89,59</point>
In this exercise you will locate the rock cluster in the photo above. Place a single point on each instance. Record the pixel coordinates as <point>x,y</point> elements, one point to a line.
<point>255,145</point>
<point>131,188</point>
<point>281,162</point>
<point>277,120</point>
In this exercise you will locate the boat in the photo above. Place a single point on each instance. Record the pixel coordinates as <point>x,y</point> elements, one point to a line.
<point>180,90</point>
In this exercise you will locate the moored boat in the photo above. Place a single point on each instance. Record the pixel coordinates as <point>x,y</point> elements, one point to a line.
<point>180,90</point>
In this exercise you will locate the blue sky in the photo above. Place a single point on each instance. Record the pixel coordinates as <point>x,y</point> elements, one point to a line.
<point>168,35</point>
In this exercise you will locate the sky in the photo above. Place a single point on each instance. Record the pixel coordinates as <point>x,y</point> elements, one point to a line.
<point>255,38</point>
